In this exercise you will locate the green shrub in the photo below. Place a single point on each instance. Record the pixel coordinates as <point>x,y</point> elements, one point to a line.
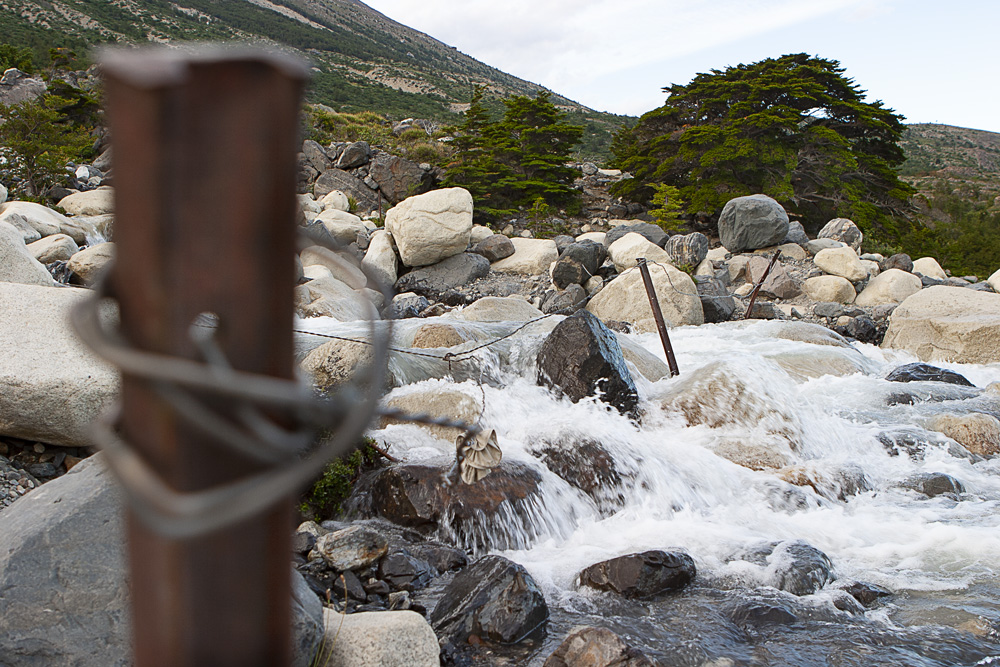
<point>324,499</point>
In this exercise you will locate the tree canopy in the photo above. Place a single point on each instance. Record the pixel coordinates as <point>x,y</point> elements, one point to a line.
<point>517,160</point>
<point>794,128</point>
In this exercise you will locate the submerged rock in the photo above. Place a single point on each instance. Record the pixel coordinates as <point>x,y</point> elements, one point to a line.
<point>581,358</point>
<point>493,599</point>
<point>596,647</point>
<point>587,466</point>
<point>642,575</point>
<point>933,484</point>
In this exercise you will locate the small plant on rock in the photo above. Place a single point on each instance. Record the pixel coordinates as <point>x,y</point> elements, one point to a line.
<point>324,499</point>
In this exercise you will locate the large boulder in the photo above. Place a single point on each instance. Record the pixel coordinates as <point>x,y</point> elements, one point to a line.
<point>977,432</point>
<point>944,323</point>
<point>438,402</point>
<point>55,248</point>
<point>87,264</point>
<point>717,303</point>
<point>364,197</point>
<point>381,261</point>
<point>994,280</point>
<point>843,230</point>
<point>494,247</point>
<point>642,575</point>
<point>499,309</point>
<point>890,286</point>
<point>337,265</point>
<point>16,263</point>
<point>336,362</point>
<point>17,87</point>
<point>899,261</point>
<point>626,251</point>
<point>928,266</point>
<point>494,599</point>
<point>531,257</point>
<point>918,372</point>
<point>438,280</point>
<point>344,227</point>
<point>398,178</point>
<point>430,227</point>
<point>779,284</point>
<point>581,357</point>
<point>624,299</point>
<point>843,262</point>
<point>63,575</point>
<point>689,249</point>
<point>354,155</point>
<point>51,386</point>
<point>333,298</point>
<point>752,222</point>
<point>47,222</point>
<point>378,639</point>
<point>829,289</point>
<point>647,230</point>
<point>93,202</point>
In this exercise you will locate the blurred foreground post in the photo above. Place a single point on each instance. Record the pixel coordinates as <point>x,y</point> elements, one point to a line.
<point>204,168</point>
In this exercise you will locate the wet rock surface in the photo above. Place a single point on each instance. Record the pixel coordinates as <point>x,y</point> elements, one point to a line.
<point>641,575</point>
<point>921,372</point>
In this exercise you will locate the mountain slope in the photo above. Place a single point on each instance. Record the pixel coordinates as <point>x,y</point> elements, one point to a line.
<point>362,60</point>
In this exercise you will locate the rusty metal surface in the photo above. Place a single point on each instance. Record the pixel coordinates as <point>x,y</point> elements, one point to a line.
<point>661,327</point>
<point>204,167</point>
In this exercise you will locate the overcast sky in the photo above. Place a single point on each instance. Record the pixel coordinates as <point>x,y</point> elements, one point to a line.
<point>932,61</point>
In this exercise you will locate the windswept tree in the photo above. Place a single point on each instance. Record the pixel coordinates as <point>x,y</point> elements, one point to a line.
<point>517,160</point>
<point>795,128</point>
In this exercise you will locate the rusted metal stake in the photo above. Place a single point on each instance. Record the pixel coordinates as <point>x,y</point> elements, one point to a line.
<point>658,316</point>
<point>204,165</point>
<point>753,296</point>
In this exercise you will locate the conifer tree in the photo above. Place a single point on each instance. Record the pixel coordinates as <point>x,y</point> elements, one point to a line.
<point>794,128</point>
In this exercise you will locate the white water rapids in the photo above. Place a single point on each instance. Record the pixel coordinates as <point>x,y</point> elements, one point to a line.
<point>810,406</point>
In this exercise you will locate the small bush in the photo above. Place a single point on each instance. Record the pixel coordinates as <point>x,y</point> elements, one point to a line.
<point>324,499</point>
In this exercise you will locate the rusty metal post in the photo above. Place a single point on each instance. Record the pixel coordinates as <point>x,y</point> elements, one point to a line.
<point>760,283</point>
<point>658,317</point>
<point>204,167</point>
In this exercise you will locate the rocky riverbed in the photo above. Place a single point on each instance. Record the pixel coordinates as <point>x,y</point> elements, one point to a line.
<point>819,481</point>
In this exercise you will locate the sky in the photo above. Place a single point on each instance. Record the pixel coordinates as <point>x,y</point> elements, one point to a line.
<point>931,61</point>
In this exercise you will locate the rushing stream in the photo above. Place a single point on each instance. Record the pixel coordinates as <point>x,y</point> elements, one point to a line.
<point>796,403</point>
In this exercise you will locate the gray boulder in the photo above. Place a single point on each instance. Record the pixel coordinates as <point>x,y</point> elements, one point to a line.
<point>589,253</point>
<point>651,232</point>
<point>63,576</point>
<point>354,155</point>
<point>494,599</point>
<point>338,179</point>
<point>749,223</point>
<point>689,249</point>
<point>16,263</point>
<point>316,156</point>
<point>438,279</point>
<point>641,575</point>
<point>17,87</point>
<point>843,230</point>
<point>796,233</point>
<point>398,178</point>
<point>494,248</point>
<point>717,303</point>
<point>899,261</point>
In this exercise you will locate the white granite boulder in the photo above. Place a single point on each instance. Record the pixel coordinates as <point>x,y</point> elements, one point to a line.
<point>332,298</point>
<point>499,309</point>
<point>890,286</point>
<point>994,281</point>
<point>88,263</point>
<point>624,299</point>
<point>430,227</point>
<point>843,262</point>
<point>531,257</point>
<point>344,227</point>
<point>625,251</point>
<point>378,639</point>
<point>944,323</point>
<point>928,266</point>
<point>16,263</point>
<point>340,268</point>
<point>335,199</point>
<point>380,259</point>
<point>48,222</point>
<point>55,248</point>
<point>93,202</point>
<point>829,288</point>
<point>51,386</point>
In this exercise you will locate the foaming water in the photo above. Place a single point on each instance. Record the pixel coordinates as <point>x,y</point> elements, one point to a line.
<point>773,432</point>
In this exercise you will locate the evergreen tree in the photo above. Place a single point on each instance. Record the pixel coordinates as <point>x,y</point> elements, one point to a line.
<point>794,128</point>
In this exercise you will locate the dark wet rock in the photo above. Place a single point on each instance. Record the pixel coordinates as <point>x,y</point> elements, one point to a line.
<point>568,271</point>
<point>915,443</point>
<point>863,329</point>
<point>581,358</point>
<point>927,281</point>
<point>796,234</point>
<point>439,556</point>
<point>933,484</point>
<point>493,599</point>
<point>587,466</point>
<point>763,612</point>
<point>450,274</point>
<point>845,602</point>
<point>494,248</point>
<point>920,372</point>
<point>651,232</point>
<point>749,223</point>
<point>642,575</point>
<point>800,568</point>
<point>408,304</point>
<point>352,548</point>
<point>426,498</point>
<point>347,584</point>
<point>867,594</point>
<point>596,647</point>
<point>376,587</point>
<point>716,302</point>
<point>689,249</point>
<point>404,572</point>
<point>303,542</point>
<point>398,178</point>
<point>562,242</point>
<point>899,261</point>
<point>566,301</point>
<point>589,253</point>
